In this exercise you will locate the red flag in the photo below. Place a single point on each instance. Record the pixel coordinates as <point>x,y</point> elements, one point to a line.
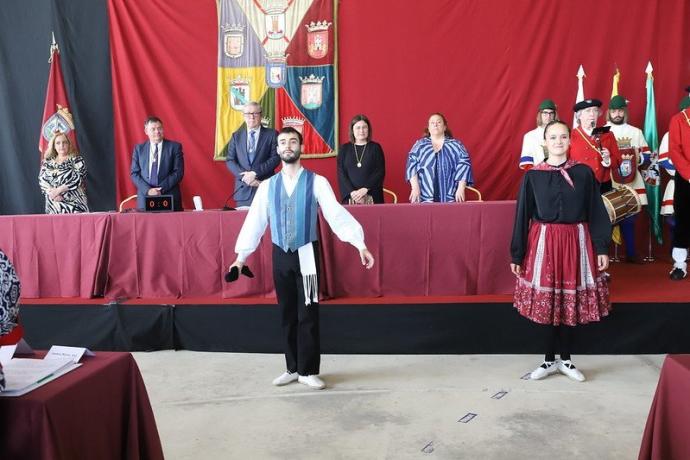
<point>56,113</point>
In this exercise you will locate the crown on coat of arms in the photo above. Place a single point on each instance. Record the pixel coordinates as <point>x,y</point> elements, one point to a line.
<point>318,25</point>
<point>312,79</point>
<point>276,56</point>
<point>292,121</point>
<point>274,6</point>
<point>233,28</point>
<point>240,80</point>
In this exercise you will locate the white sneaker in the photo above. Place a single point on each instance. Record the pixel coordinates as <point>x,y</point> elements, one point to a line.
<point>547,368</point>
<point>285,378</point>
<point>568,369</point>
<point>312,381</point>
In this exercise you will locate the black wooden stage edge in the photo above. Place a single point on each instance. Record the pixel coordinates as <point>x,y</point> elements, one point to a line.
<point>631,328</point>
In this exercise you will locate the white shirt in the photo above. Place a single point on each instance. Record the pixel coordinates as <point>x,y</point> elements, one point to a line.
<point>151,151</point>
<point>532,148</point>
<point>629,136</point>
<point>346,228</point>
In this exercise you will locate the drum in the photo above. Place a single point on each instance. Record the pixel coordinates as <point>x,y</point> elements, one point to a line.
<point>621,203</point>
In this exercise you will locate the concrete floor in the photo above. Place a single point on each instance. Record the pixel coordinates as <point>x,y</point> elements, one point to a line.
<point>223,406</point>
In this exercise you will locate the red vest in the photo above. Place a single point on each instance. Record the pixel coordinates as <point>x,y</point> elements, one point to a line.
<point>679,143</point>
<point>583,149</point>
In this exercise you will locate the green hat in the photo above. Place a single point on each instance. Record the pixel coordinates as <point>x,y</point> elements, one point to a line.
<point>547,104</point>
<point>618,102</point>
<point>684,103</point>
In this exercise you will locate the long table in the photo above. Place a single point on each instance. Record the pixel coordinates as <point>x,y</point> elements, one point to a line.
<point>667,433</point>
<point>420,250</point>
<point>100,410</point>
<point>424,250</point>
<point>58,255</point>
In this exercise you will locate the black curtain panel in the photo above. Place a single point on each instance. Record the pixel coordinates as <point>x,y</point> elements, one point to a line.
<point>81,30</point>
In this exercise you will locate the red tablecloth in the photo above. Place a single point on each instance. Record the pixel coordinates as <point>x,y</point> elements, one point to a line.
<point>57,255</point>
<point>667,433</point>
<point>182,254</point>
<point>432,249</point>
<point>100,410</point>
<point>423,250</point>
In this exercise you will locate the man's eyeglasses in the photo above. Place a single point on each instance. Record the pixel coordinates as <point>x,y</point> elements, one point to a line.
<point>252,114</point>
<point>548,112</point>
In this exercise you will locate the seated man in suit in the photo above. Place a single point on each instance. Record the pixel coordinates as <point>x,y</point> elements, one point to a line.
<point>252,155</point>
<point>157,165</point>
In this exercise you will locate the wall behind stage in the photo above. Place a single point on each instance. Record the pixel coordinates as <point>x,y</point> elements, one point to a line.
<point>485,64</point>
<point>81,30</point>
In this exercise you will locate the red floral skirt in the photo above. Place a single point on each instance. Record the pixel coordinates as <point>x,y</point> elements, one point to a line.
<point>560,282</point>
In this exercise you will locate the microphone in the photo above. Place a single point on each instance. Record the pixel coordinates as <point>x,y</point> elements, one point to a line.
<point>225,203</point>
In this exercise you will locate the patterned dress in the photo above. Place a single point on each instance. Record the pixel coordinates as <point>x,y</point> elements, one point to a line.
<point>9,306</point>
<point>439,172</point>
<point>71,172</point>
<point>560,226</point>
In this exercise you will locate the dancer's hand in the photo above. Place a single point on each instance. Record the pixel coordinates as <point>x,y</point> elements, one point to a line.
<point>367,258</point>
<point>602,262</point>
<point>516,269</point>
<point>237,264</point>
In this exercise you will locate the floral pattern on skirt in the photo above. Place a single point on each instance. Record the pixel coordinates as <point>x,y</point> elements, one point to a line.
<point>560,282</point>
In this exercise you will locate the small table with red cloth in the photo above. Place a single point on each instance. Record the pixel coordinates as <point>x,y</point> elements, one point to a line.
<point>667,433</point>
<point>99,410</point>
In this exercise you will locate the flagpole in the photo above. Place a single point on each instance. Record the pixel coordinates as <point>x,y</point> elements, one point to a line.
<point>580,90</point>
<point>53,48</point>
<point>651,174</point>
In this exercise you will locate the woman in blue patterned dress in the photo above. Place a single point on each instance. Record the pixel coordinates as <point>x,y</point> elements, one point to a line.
<point>438,166</point>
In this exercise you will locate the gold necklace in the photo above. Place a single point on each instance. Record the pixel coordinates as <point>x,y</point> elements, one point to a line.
<point>358,157</point>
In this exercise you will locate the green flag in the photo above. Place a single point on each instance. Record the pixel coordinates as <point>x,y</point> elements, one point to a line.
<point>652,180</point>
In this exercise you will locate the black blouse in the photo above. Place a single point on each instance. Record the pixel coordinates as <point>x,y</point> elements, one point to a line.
<point>545,196</point>
<point>370,175</point>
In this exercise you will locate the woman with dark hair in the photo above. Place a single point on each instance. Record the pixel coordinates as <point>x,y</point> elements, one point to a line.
<point>361,165</point>
<point>10,331</point>
<point>559,250</point>
<point>438,166</point>
<point>62,177</point>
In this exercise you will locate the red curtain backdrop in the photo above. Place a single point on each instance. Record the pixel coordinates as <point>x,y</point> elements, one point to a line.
<point>486,64</point>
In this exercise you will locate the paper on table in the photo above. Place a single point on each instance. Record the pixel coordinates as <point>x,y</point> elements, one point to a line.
<point>72,353</point>
<point>23,375</point>
<point>7,352</point>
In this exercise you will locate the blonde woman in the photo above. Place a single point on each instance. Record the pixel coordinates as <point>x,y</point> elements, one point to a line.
<point>62,177</point>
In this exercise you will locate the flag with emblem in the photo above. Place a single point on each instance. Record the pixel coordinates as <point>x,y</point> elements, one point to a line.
<point>56,110</point>
<point>281,54</point>
<point>651,176</point>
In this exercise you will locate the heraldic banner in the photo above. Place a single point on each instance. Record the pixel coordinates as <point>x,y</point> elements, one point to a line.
<point>280,53</point>
<point>56,114</point>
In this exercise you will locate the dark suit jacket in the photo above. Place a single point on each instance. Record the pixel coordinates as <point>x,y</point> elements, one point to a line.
<point>170,171</point>
<point>264,165</point>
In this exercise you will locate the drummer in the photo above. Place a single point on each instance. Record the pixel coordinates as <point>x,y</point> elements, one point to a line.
<point>559,251</point>
<point>598,152</point>
<point>633,147</point>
